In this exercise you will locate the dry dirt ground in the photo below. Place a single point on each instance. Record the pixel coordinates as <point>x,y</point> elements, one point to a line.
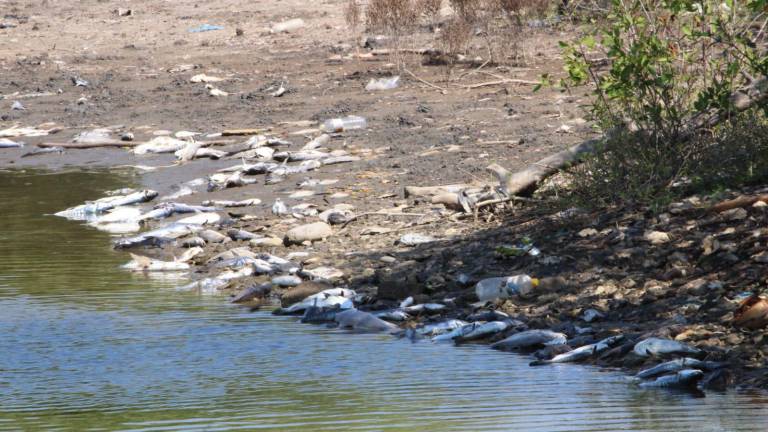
<point>416,135</point>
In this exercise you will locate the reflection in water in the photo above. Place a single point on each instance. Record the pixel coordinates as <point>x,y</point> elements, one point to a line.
<point>84,345</point>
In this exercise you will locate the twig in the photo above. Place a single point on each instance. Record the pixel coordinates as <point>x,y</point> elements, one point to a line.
<point>425,82</point>
<point>380,213</point>
<point>492,83</point>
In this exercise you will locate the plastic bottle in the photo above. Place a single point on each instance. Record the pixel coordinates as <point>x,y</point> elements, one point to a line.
<point>505,287</point>
<point>344,124</point>
<point>383,84</point>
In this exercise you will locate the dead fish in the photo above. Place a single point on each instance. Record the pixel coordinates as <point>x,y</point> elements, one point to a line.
<point>243,203</point>
<point>201,219</point>
<point>273,178</point>
<point>85,211</point>
<point>193,242</point>
<point>171,231</point>
<point>181,192</point>
<point>318,142</point>
<point>662,347</point>
<point>478,330</point>
<point>211,236</point>
<point>678,365</point>
<point>325,301</point>
<point>118,214</point>
<point>530,339</point>
<point>393,315</point>
<point>259,153</point>
<point>41,151</point>
<point>6,143</point>
<point>205,286</point>
<point>161,144</point>
<point>251,293</point>
<point>582,353</point>
<point>322,273</point>
<point>210,153</point>
<point>306,166</point>
<point>142,263</point>
<point>491,315</point>
<point>424,307</point>
<point>752,313</point>
<point>441,327</point>
<point>311,183</point>
<point>300,156</point>
<point>286,281</point>
<point>363,321</point>
<point>219,181</point>
<point>686,378</point>
<point>238,234</point>
<point>319,315</point>
<point>188,152</point>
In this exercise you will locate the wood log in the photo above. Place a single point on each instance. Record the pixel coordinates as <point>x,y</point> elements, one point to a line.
<point>237,132</point>
<point>525,181</point>
<point>742,201</point>
<point>429,191</point>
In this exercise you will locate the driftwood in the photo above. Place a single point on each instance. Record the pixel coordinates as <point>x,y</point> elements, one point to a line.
<point>118,143</point>
<point>527,179</point>
<point>88,145</point>
<point>742,201</point>
<point>429,191</point>
<point>236,132</point>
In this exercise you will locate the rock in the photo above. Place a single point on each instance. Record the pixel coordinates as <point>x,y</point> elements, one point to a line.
<point>414,239</point>
<point>286,281</point>
<point>310,232</point>
<point>656,237</point>
<point>212,236</point>
<point>124,12</point>
<point>736,214</point>
<point>300,292</point>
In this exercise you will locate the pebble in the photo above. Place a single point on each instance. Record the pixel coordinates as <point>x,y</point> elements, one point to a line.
<point>310,232</point>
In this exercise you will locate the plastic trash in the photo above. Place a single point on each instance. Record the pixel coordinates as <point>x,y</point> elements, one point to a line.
<point>288,26</point>
<point>205,28</point>
<point>344,124</point>
<point>505,287</point>
<point>383,83</point>
<point>18,106</point>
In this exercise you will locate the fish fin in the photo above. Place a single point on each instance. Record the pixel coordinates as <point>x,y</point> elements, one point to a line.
<point>538,363</point>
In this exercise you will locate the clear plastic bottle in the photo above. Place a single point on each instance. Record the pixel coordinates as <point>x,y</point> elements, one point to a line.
<point>344,124</point>
<point>505,287</point>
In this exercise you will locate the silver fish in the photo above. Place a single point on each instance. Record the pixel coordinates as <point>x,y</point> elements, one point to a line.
<point>441,327</point>
<point>686,378</point>
<point>339,159</point>
<point>678,365</point>
<point>479,331</point>
<point>300,156</point>
<point>660,347</point>
<point>243,203</point>
<point>250,293</point>
<point>171,231</point>
<point>581,353</point>
<point>6,143</point>
<point>84,211</point>
<point>530,339</point>
<point>238,234</point>
<point>393,315</point>
<point>286,281</point>
<point>363,321</point>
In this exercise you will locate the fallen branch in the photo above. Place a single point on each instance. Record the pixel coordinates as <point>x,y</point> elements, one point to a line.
<point>118,143</point>
<point>742,201</point>
<point>498,82</point>
<point>380,213</point>
<point>238,132</point>
<point>527,179</point>
<point>425,82</point>
<point>429,191</point>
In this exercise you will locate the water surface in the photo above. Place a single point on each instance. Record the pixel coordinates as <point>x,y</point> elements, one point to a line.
<point>86,346</point>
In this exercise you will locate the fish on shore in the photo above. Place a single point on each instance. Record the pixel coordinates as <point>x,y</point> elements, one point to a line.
<point>663,347</point>
<point>140,263</point>
<point>320,315</point>
<point>243,203</point>
<point>251,293</point>
<point>686,378</point>
<point>88,210</point>
<point>678,365</point>
<point>171,231</point>
<point>441,327</point>
<point>44,150</point>
<point>530,339</point>
<point>363,321</point>
<point>582,353</point>
<point>326,298</point>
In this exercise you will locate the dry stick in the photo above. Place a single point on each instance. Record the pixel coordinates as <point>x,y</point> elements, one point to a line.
<point>380,213</point>
<point>116,143</point>
<point>234,132</point>
<point>425,82</point>
<point>492,83</point>
<point>742,201</point>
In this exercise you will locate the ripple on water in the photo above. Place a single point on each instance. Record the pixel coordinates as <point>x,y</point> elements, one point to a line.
<point>87,346</point>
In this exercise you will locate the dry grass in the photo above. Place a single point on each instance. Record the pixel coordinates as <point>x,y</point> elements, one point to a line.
<point>430,11</point>
<point>398,19</point>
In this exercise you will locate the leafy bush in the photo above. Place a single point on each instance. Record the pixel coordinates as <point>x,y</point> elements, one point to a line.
<point>673,66</point>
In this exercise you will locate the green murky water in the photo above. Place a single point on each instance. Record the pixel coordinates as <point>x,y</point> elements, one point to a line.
<point>86,346</point>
